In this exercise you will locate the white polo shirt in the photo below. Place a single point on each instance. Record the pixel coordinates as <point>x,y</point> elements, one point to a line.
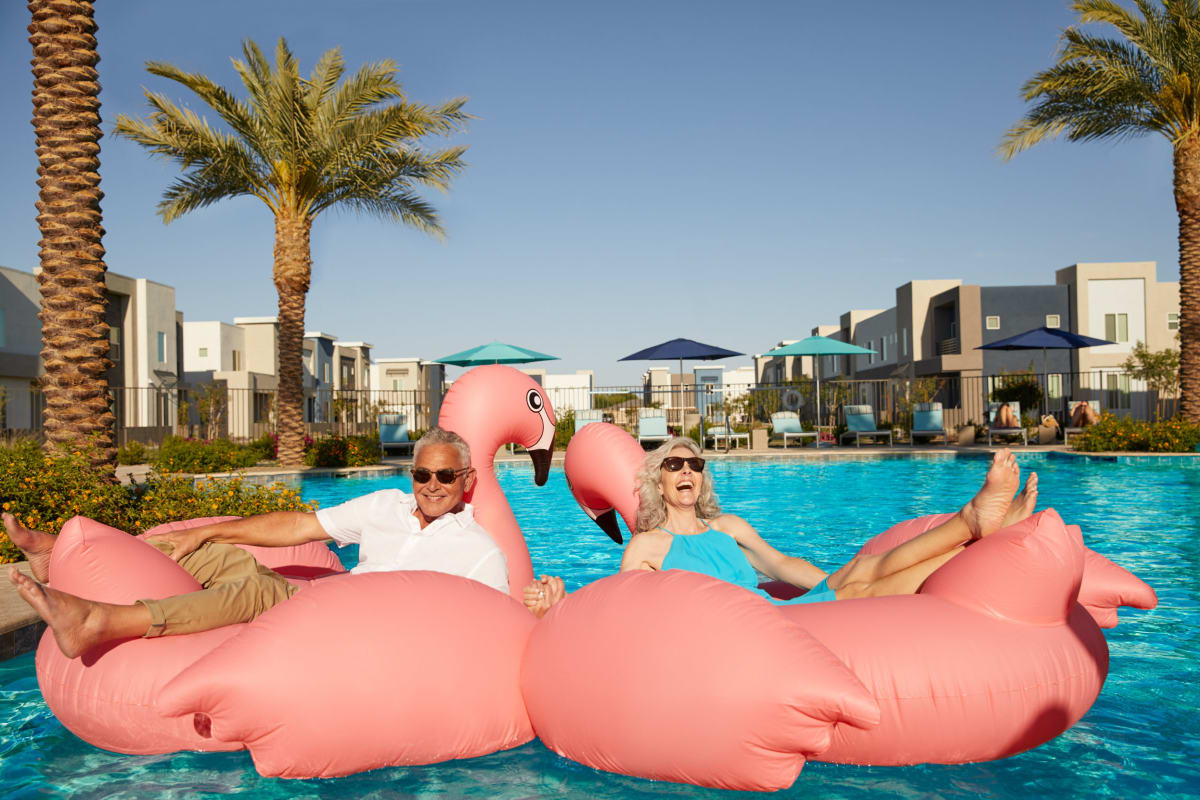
<point>391,538</point>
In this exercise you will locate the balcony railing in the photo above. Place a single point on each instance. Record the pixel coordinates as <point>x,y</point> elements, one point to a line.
<point>949,347</point>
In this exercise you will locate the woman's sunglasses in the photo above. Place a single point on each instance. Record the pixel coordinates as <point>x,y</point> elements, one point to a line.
<point>675,463</point>
<point>445,476</point>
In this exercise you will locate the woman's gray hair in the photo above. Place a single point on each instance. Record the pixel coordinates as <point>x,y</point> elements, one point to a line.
<point>436,435</point>
<point>652,510</point>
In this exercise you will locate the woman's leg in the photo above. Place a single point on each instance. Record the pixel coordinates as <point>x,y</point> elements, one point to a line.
<point>917,558</point>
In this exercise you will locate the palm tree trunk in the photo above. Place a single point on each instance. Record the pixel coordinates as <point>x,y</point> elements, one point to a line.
<point>66,117</point>
<point>293,270</point>
<point>1187,203</point>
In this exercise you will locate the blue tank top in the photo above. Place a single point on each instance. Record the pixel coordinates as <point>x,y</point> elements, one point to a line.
<point>717,554</point>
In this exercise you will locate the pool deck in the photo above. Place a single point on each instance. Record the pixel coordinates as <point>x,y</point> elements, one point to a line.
<point>20,627</point>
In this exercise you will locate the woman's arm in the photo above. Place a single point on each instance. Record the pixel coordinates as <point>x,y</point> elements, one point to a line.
<point>637,553</point>
<point>765,558</point>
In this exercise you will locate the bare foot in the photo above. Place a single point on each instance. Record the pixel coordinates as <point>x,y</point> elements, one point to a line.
<point>72,619</point>
<point>36,546</point>
<point>986,512</point>
<point>1023,504</point>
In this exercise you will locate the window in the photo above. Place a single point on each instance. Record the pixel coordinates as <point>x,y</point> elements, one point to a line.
<point>871,347</point>
<point>162,347</point>
<point>1172,321</point>
<point>4,331</point>
<point>883,349</point>
<point>954,329</point>
<point>328,371</point>
<point>237,360</point>
<point>992,323</point>
<point>1054,386</point>
<point>204,352</point>
<point>904,342</point>
<point>1053,321</point>
<point>114,344</point>
<point>1116,327</point>
<point>1118,390</point>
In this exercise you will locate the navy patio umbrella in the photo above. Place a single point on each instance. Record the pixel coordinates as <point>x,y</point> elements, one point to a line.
<point>1044,339</point>
<point>681,349</point>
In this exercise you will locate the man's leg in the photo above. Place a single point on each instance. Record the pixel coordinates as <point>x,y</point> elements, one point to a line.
<point>79,625</point>
<point>239,600</point>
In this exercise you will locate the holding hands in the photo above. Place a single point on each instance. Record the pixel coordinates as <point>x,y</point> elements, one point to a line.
<point>542,593</point>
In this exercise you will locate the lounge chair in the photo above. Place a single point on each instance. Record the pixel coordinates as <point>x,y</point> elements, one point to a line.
<point>1006,432</point>
<point>586,416</point>
<point>393,432</point>
<point>718,433</point>
<point>1067,431</point>
<point>927,421</point>
<point>787,424</point>
<point>861,422</point>
<point>652,425</point>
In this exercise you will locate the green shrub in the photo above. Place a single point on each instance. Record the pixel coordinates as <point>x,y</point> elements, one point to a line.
<point>1126,434</point>
<point>194,455</point>
<point>343,451</point>
<point>43,492</point>
<point>1021,388</point>
<point>132,453</point>
<point>564,429</point>
<point>166,498</point>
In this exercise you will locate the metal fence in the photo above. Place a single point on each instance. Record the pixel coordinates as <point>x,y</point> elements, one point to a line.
<point>215,411</point>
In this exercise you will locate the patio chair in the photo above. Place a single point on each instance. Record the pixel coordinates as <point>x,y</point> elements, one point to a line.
<point>719,433</point>
<point>861,422</point>
<point>393,432</point>
<point>1006,432</point>
<point>1067,431</point>
<point>787,424</point>
<point>586,416</point>
<point>927,421</point>
<point>652,425</point>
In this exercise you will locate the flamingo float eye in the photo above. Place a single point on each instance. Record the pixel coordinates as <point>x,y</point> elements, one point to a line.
<point>534,400</point>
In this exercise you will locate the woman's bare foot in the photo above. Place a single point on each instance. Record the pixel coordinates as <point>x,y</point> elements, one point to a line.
<point>986,512</point>
<point>36,546</point>
<point>1023,504</point>
<point>77,624</point>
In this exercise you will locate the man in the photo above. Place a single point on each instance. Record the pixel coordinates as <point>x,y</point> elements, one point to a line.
<point>432,529</point>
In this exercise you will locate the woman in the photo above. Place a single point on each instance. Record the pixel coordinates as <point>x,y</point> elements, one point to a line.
<point>680,526</point>
<point>1005,418</point>
<point>1083,415</point>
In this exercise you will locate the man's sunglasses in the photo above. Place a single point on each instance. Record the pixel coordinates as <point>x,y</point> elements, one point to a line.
<point>675,463</point>
<point>445,476</point>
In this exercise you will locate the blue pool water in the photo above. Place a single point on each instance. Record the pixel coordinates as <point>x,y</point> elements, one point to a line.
<point>1140,740</point>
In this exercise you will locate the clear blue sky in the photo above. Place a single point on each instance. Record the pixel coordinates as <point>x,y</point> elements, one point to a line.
<point>733,172</point>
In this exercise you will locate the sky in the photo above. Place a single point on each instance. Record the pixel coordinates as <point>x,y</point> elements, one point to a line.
<point>731,172</point>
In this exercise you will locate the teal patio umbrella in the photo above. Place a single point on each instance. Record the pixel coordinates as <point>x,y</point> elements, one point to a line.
<point>494,353</point>
<point>818,346</point>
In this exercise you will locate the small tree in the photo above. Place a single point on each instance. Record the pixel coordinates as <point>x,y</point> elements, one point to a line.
<point>1160,371</point>
<point>211,404</point>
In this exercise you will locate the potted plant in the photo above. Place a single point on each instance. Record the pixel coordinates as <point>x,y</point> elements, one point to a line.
<point>966,432</point>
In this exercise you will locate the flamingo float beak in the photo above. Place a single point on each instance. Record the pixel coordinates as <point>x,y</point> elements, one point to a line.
<point>541,464</point>
<point>608,523</point>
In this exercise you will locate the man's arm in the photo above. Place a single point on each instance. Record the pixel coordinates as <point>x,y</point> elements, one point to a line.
<point>276,529</point>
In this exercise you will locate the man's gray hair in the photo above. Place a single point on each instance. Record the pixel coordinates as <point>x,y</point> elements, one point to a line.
<point>436,435</point>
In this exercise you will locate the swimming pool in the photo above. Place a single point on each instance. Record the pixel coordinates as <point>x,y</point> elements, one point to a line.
<point>1140,739</point>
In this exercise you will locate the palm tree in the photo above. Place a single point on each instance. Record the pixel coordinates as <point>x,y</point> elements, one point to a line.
<point>301,146</point>
<point>1146,81</point>
<point>66,118</point>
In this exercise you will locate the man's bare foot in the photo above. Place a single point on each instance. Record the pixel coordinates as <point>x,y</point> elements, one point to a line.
<point>36,546</point>
<point>986,512</point>
<point>75,622</point>
<point>1023,504</point>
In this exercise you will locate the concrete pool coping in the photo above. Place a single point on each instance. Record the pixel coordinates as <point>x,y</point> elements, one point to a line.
<point>20,627</point>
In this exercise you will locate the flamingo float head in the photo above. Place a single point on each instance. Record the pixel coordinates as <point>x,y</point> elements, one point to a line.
<point>601,465</point>
<point>494,405</point>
